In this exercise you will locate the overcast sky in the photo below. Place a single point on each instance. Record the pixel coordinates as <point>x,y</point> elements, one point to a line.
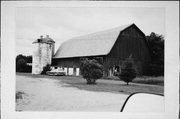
<point>64,23</point>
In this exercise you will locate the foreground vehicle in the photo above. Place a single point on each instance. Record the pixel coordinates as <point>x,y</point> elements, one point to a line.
<point>143,102</point>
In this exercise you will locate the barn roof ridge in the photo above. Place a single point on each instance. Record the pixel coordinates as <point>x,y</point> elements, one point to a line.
<point>106,30</point>
<point>93,44</point>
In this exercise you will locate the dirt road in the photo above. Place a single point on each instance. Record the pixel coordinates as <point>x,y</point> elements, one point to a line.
<point>43,94</point>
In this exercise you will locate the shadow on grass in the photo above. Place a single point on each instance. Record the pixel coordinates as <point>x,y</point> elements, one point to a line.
<point>117,87</point>
<point>103,85</point>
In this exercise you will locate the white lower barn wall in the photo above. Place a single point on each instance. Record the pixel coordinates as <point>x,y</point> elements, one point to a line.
<point>70,70</point>
<point>77,71</point>
<point>65,69</point>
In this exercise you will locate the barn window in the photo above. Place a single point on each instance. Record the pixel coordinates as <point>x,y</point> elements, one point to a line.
<point>116,68</point>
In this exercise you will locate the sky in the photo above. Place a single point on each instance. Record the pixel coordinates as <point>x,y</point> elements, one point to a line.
<point>62,24</point>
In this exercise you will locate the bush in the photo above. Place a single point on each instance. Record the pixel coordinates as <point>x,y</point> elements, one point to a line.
<point>46,68</point>
<point>91,70</point>
<point>128,72</point>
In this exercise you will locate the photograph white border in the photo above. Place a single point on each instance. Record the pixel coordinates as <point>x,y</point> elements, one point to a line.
<point>171,77</point>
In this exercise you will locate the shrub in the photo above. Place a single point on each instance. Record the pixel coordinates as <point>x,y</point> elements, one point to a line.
<point>46,68</point>
<point>91,70</point>
<point>128,72</point>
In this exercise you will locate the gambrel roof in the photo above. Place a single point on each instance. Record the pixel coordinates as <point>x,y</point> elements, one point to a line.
<point>99,43</point>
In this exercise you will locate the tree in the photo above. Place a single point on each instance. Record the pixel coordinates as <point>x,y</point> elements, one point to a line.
<point>21,63</point>
<point>128,72</point>
<point>156,66</point>
<point>91,70</point>
<point>28,59</point>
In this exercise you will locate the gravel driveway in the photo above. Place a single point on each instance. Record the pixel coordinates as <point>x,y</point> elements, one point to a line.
<point>43,94</point>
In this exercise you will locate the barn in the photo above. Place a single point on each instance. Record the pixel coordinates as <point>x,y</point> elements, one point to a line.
<point>113,46</point>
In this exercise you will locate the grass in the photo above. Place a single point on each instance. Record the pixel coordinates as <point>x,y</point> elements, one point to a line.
<point>104,85</point>
<point>143,79</point>
<point>150,80</point>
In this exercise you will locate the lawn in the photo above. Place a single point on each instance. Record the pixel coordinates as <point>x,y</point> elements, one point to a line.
<point>104,85</point>
<point>143,80</point>
<point>150,80</point>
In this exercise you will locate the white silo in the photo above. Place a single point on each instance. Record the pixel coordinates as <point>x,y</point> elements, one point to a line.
<point>42,53</point>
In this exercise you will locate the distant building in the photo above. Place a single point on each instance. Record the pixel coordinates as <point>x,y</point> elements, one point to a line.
<point>42,54</point>
<point>112,46</point>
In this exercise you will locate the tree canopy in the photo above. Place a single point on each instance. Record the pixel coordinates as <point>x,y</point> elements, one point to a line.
<point>91,70</point>
<point>128,72</point>
<point>21,63</point>
<point>156,43</point>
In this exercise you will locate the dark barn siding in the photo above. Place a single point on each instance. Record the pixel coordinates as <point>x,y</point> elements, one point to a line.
<point>67,62</point>
<point>130,42</point>
<point>71,62</point>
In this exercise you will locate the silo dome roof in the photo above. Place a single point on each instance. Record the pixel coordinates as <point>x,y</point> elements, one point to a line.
<point>47,39</point>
